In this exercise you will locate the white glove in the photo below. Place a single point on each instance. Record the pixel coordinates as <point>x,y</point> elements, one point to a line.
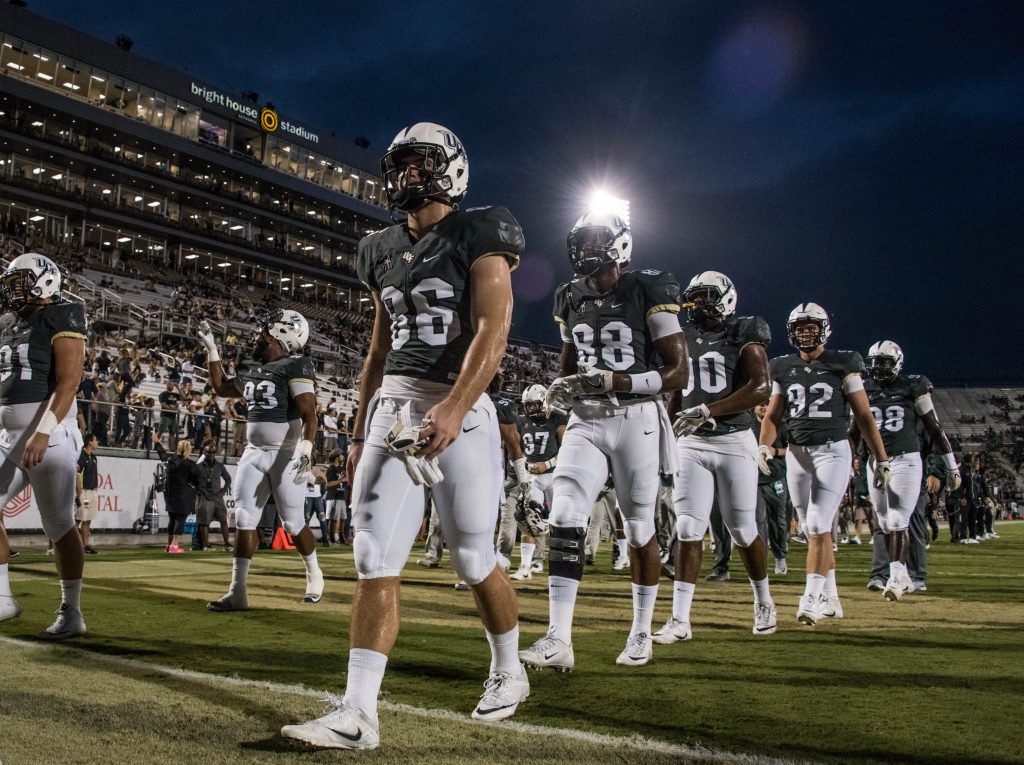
<point>523,476</point>
<point>765,453</point>
<point>559,397</point>
<point>953,479</point>
<point>404,442</point>
<point>883,474</point>
<point>301,462</point>
<point>565,390</point>
<point>691,419</point>
<point>207,339</point>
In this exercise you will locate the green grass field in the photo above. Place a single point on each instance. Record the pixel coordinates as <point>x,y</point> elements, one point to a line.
<point>934,678</point>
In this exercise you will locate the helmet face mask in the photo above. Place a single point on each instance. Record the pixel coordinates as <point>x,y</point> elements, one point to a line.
<point>437,160</point>
<point>289,328</point>
<point>709,296</point>
<point>533,401</point>
<point>598,241</point>
<point>808,327</point>
<point>885,361</point>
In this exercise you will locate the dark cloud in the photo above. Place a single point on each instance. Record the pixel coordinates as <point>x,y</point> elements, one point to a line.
<point>865,155</point>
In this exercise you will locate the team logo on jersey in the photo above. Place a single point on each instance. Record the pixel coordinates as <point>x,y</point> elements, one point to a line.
<point>18,504</point>
<point>807,369</point>
<point>599,302</point>
<point>407,257</point>
<point>387,262</point>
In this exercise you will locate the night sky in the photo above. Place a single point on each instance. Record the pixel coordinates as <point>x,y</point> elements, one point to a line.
<point>867,156</point>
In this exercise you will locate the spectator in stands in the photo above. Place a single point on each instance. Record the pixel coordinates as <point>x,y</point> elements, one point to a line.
<point>180,494</point>
<point>336,485</point>
<point>315,481</point>
<point>122,414</point>
<point>86,484</point>
<point>214,481</point>
<point>188,370</point>
<point>330,431</point>
<point>170,399</point>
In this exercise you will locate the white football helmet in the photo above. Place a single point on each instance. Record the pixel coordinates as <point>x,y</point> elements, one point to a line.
<point>885,360</point>
<point>809,312</point>
<point>533,401</point>
<point>441,160</point>
<point>288,327</point>
<point>598,240</point>
<point>28,279</point>
<point>718,293</point>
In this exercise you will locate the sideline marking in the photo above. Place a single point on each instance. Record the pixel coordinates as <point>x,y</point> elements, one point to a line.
<point>599,739</point>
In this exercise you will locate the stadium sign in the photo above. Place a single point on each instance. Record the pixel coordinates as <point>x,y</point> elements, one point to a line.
<point>266,118</point>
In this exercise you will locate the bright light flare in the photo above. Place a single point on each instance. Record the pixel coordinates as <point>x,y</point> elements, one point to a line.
<point>603,202</point>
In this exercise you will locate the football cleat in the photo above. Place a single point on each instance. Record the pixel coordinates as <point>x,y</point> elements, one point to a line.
<point>876,584</point>
<point>462,586</point>
<point>549,652</point>
<point>314,586</point>
<point>673,631</point>
<point>764,619</point>
<point>855,540</point>
<point>233,601</point>
<point>718,575</point>
<point>638,651</point>
<point>503,563</point>
<point>522,574</point>
<point>503,693</point>
<point>781,568</point>
<point>895,589</point>
<point>807,612</point>
<point>829,607</point>
<point>920,586</point>
<point>621,564</point>
<point>69,622</point>
<point>430,562</point>
<point>344,728</point>
<point>9,608</point>
<point>537,567</point>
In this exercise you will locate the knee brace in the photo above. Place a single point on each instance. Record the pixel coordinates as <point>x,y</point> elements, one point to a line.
<point>639,531</point>
<point>472,557</point>
<point>565,551</point>
<point>690,529</point>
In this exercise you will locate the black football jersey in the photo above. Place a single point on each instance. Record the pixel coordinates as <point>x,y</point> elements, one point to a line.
<point>714,368</point>
<point>265,388</point>
<point>610,331</point>
<point>506,410</point>
<point>425,286</point>
<point>540,437</point>
<point>816,408</point>
<point>892,405</point>
<point>28,372</point>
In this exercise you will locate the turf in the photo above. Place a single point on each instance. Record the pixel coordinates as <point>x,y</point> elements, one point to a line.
<point>933,678</point>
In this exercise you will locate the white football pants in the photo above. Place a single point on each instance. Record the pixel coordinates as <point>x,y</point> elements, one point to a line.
<point>817,477</point>
<point>388,506</point>
<point>896,504</point>
<point>726,464</point>
<point>262,472</point>
<point>626,442</point>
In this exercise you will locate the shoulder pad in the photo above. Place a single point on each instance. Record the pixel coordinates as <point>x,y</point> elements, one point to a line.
<point>67,317</point>
<point>499,224</point>
<point>660,290</point>
<point>561,305</point>
<point>750,329</point>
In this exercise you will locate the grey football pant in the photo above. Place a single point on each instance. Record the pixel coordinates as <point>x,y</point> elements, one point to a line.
<point>917,564</point>
<point>772,508</point>
<point>601,519</point>
<point>507,520</point>
<point>722,537</point>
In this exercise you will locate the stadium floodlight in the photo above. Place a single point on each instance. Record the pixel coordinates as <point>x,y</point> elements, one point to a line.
<point>602,201</point>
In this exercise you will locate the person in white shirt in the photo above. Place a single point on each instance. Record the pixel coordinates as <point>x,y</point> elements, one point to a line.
<point>330,432</point>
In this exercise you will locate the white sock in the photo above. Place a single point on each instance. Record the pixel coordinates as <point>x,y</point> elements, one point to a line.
<point>830,584</point>
<point>365,674</point>
<point>71,592</point>
<point>644,597</point>
<point>5,581</point>
<point>815,584</point>
<point>505,652</point>
<point>526,554</point>
<point>682,598</point>
<point>311,565</point>
<point>621,544</point>
<point>762,595</point>
<point>561,603</point>
<point>239,573</point>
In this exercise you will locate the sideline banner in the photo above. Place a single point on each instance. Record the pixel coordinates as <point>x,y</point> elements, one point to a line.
<point>124,488</point>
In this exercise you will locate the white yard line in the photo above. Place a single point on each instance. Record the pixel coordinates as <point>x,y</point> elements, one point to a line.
<point>701,753</point>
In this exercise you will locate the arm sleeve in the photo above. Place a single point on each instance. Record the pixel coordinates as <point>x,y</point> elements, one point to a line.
<point>494,230</point>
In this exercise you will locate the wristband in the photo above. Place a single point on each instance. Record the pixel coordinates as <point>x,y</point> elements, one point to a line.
<point>355,441</point>
<point>48,423</point>
<point>648,382</point>
<point>304,448</point>
<point>522,474</point>
<point>949,461</point>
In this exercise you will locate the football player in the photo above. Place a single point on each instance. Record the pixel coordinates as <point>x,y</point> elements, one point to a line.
<point>615,325</point>
<point>813,392</point>
<point>897,402</point>
<point>774,495</point>
<point>541,435</point>
<point>717,448</point>
<point>279,390</point>
<point>517,476</point>
<point>42,350</point>
<point>442,292</point>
